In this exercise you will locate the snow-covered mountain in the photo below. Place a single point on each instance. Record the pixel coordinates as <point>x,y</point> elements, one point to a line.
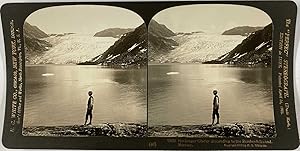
<point>72,49</point>
<point>200,47</point>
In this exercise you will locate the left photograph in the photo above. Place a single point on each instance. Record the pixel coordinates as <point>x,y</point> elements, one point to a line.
<point>86,72</point>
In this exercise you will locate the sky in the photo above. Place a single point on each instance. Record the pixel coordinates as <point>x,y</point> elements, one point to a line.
<point>84,19</point>
<point>89,19</point>
<point>211,18</point>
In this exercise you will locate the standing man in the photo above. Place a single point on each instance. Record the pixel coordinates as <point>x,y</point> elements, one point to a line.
<point>90,106</point>
<point>216,103</point>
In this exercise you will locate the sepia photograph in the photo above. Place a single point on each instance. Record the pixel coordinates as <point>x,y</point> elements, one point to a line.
<point>86,72</point>
<point>209,72</point>
<point>158,75</point>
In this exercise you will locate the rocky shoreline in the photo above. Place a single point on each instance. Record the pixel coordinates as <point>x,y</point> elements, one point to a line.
<point>236,130</point>
<point>242,130</point>
<point>110,130</point>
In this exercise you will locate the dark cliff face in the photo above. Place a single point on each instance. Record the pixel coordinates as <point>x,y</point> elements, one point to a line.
<point>159,46</point>
<point>113,32</point>
<point>159,41</point>
<point>256,49</point>
<point>34,45</point>
<point>32,37</point>
<point>33,31</point>
<point>243,30</point>
<point>159,29</point>
<point>130,49</point>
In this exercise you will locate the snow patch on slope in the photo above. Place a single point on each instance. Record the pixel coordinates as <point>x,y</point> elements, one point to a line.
<point>132,47</point>
<point>261,45</point>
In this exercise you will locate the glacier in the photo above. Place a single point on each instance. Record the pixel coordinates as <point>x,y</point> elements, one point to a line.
<point>200,47</point>
<point>73,48</point>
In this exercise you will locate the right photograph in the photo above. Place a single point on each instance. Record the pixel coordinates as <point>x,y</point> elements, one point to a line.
<point>209,72</point>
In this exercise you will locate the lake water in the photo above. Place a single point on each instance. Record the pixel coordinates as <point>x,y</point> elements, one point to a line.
<point>181,94</point>
<point>178,94</point>
<point>57,94</point>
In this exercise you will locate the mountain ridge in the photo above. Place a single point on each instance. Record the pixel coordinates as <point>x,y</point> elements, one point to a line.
<point>33,42</point>
<point>160,41</point>
<point>33,31</point>
<point>159,30</point>
<point>242,30</point>
<point>113,32</point>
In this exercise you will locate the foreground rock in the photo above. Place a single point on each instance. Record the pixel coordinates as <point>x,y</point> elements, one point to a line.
<point>244,130</point>
<point>113,130</point>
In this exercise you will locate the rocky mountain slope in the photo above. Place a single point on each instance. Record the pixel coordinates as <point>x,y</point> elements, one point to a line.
<point>160,41</point>
<point>113,32</point>
<point>242,30</point>
<point>256,49</point>
<point>34,44</point>
<point>130,49</point>
<point>160,30</point>
<point>33,31</point>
